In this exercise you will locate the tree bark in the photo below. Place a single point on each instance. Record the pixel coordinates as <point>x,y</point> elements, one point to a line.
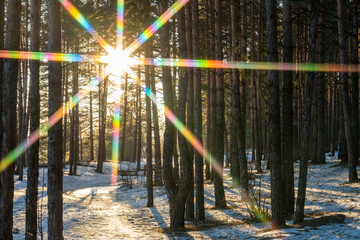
<point>74,134</point>
<point>350,139</point>
<point>235,99</point>
<point>242,132</point>
<point>288,111</point>
<point>189,212</point>
<point>212,100</point>
<point>355,76</point>
<point>124,120</point>
<point>276,176</point>
<point>34,102</point>
<point>300,201</point>
<point>55,201</point>
<point>220,201</point>
<point>321,87</point>
<point>199,162</point>
<point>9,97</point>
<point>149,174</point>
<point>157,147</point>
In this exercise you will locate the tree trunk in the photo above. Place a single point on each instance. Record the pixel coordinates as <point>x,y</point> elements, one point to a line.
<point>55,201</point>
<point>235,98</point>
<point>149,174</point>
<point>124,120</point>
<point>138,153</point>
<point>276,176</point>
<point>355,76</point>
<point>321,87</point>
<point>9,96</point>
<point>66,86</point>
<point>34,103</point>
<point>350,139</point>
<point>74,134</point>
<point>300,201</point>
<point>212,100</point>
<point>133,159</point>
<point>208,73</point>
<point>91,129</point>
<point>177,196</point>
<point>242,132</point>
<point>288,112</point>
<point>157,146</point>
<point>256,149</point>
<point>199,162</point>
<point>220,201</point>
<point>189,211</point>
<point>102,124</point>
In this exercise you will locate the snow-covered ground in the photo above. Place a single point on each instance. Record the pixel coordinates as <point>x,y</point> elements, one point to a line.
<point>93,209</point>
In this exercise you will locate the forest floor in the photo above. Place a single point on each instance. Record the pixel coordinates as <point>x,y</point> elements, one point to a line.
<point>94,209</point>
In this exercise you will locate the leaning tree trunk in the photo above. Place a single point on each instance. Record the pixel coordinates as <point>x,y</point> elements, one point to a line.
<point>34,102</point>
<point>9,97</point>
<point>55,201</point>
<point>276,176</point>
<point>350,139</point>
<point>176,194</point>
<point>300,201</point>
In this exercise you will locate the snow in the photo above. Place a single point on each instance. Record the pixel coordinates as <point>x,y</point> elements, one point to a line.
<point>94,209</point>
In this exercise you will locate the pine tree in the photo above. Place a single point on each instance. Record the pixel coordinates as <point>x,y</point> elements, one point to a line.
<point>55,201</point>
<point>34,102</point>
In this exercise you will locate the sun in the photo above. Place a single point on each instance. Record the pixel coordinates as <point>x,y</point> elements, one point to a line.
<point>119,62</point>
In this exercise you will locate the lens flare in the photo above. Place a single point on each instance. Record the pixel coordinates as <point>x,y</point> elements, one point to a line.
<point>150,31</point>
<point>14,154</point>
<point>305,67</point>
<point>115,141</point>
<point>74,12</point>
<point>190,137</point>
<point>118,62</point>
<point>59,57</point>
<point>120,23</point>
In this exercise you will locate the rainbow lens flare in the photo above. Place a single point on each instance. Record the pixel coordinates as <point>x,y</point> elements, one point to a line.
<point>59,57</point>
<point>150,31</point>
<point>14,154</point>
<point>74,12</point>
<point>115,142</point>
<point>120,22</point>
<point>305,67</point>
<point>190,137</point>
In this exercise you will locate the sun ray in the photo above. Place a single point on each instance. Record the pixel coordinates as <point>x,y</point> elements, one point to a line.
<point>190,137</point>
<point>120,23</point>
<point>150,31</point>
<point>305,67</point>
<point>85,23</point>
<point>14,154</point>
<point>115,140</point>
<point>60,57</point>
